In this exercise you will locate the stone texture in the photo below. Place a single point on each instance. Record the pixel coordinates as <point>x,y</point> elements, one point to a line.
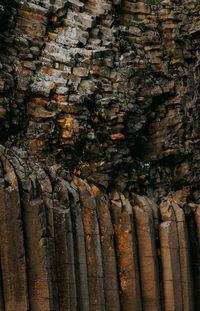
<point>147,254</point>
<point>99,155</point>
<point>185,260</point>
<point>127,258</point>
<point>93,247</point>
<point>13,261</point>
<point>111,286</point>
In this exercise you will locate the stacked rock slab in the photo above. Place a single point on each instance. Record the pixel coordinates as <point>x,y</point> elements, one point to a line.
<point>99,155</point>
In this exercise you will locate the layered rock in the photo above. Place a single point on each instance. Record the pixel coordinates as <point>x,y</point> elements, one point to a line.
<point>99,155</point>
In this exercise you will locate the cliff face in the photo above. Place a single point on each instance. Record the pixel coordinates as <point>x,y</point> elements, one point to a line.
<point>99,155</point>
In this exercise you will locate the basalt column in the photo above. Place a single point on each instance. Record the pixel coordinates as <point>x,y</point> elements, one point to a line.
<point>99,155</point>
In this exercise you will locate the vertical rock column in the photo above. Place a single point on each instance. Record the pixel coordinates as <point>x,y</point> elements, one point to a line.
<point>38,255</point>
<point>45,189</point>
<point>148,262</point>
<point>93,247</point>
<point>185,261</point>
<point>62,261</point>
<point>1,294</point>
<point>13,262</point>
<point>73,245</point>
<point>80,249</point>
<point>194,227</point>
<point>126,256</point>
<point>111,288</point>
<point>36,203</point>
<point>171,270</point>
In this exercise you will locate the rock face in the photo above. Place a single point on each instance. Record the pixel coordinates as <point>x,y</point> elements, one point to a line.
<point>99,155</point>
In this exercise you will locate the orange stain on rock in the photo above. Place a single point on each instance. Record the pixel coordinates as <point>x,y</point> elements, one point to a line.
<point>95,190</point>
<point>66,134</point>
<point>75,179</point>
<point>95,120</point>
<point>48,70</point>
<point>52,85</point>
<point>54,19</point>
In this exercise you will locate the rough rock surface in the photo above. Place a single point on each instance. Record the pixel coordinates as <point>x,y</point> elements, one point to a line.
<point>99,155</point>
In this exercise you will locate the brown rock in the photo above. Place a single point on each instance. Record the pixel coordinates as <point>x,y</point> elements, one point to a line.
<point>111,287</point>
<point>185,260</point>
<point>107,91</point>
<point>38,270</point>
<point>13,261</point>
<point>171,272</point>
<point>127,260</point>
<point>170,257</point>
<point>62,261</point>
<point>93,246</point>
<point>148,261</point>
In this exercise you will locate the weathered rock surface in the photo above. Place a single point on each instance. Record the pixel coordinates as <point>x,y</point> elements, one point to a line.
<point>99,155</point>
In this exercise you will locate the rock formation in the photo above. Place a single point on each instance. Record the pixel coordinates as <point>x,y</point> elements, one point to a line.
<point>99,155</point>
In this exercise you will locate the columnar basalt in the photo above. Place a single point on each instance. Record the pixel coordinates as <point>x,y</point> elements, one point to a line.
<point>99,155</point>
